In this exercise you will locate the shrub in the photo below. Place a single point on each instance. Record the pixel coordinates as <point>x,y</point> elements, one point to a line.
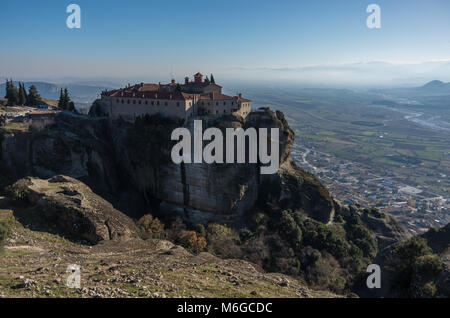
<point>245,235</point>
<point>414,268</point>
<point>362,238</point>
<point>151,226</point>
<point>193,242</point>
<point>200,229</point>
<point>19,191</point>
<point>223,241</point>
<point>290,230</point>
<point>176,231</point>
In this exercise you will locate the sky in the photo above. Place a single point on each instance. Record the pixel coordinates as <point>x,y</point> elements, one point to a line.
<point>311,40</point>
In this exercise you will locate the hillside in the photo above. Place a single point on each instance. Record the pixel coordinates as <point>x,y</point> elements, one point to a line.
<point>37,254</point>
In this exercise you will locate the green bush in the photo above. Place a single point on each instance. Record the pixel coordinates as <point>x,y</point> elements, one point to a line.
<point>290,230</point>
<point>414,268</point>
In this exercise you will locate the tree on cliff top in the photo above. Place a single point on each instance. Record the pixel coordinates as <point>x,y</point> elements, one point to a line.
<point>34,99</point>
<point>12,93</point>
<point>65,102</point>
<point>22,94</point>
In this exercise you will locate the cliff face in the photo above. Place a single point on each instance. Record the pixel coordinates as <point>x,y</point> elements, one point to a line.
<point>131,164</point>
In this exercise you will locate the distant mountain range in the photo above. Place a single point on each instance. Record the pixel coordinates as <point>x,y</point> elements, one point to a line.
<point>433,94</point>
<point>79,93</point>
<point>436,87</point>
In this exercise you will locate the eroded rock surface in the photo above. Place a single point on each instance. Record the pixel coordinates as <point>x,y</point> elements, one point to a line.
<point>73,208</point>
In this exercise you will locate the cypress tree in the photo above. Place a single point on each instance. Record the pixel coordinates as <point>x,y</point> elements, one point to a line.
<point>61,100</point>
<point>12,94</point>
<point>22,94</point>
<point>213,81</point>
<point>66,99</point>
<point>7,89</point>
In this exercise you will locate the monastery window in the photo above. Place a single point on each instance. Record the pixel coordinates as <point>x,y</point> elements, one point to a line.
<point>224,111</point>
<point>128,101</point>
<point>178,104</point>
<point>140,102</point>
<point>123,101</point>
<point>134,102</point>
<point>232,103</point>
<point>118,100</point>
<point>146,102</point>
<point>157,103</point>
<point>217,103</point>
<point>165,103</point>
<point>217,111</point>
<point>153,103</point>
<point>224,103</point>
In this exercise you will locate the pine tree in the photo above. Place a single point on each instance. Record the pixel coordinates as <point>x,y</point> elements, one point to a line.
<point>213,81</point>
<point>34,99</point>
<point>207,81</point>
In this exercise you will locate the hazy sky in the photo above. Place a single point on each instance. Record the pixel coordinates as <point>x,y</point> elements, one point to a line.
<point>313,39</point>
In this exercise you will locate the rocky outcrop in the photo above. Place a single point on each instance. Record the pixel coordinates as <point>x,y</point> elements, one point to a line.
<point>74,209</point>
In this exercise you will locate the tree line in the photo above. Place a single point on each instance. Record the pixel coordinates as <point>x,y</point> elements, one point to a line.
<point>20,97</point>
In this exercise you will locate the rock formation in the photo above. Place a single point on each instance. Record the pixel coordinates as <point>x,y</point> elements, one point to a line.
<point>74,209</point>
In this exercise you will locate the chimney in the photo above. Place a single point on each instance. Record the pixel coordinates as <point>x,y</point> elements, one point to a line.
<point>172,81</point>
<point>186,80</point>
<point>240,95</point>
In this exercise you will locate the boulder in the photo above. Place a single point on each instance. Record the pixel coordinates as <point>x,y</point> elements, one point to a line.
<point>74,209</point>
